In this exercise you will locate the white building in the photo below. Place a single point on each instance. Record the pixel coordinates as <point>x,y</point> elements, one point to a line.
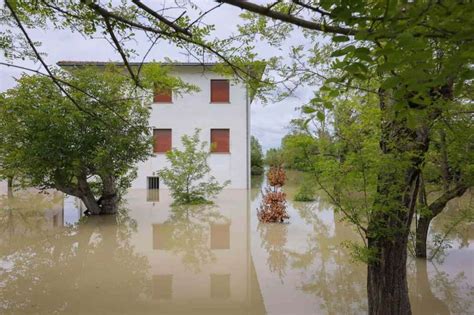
<point>220,110</point>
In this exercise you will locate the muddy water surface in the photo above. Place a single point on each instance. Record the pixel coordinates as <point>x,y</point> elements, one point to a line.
<point>153,258</point>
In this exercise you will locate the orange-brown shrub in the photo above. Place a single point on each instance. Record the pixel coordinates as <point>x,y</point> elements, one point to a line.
<point>273,206</point>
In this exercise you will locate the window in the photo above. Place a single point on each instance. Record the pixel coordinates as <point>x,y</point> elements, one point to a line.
<point>220,286</point>
<point>220,140</point>
<point>220,91</point>
<point>163,96</point>
<point>153,195</point>
<point>220,236</point>
<point>153,182</point>
<point>162,287</point>
<point>162,140</point>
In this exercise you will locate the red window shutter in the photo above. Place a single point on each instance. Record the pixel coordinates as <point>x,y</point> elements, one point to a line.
<point>162,140</point>
<point>163,96</point>
<point>219,91</point>
<point>220,140</point>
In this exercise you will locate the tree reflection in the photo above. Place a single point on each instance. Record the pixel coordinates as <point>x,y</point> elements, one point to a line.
<point>51,269</point>
<point>273,239</point>
<point>340,283</point>
<point>333,277</point>
<point>189,233</point>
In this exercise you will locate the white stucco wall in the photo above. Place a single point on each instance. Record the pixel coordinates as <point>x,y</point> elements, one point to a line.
<point>190,111</point>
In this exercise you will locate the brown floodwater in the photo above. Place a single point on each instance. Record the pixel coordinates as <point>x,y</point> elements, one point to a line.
<point>154,258</point>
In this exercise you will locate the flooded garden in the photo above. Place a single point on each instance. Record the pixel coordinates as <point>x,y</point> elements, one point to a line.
<point>206,259</point>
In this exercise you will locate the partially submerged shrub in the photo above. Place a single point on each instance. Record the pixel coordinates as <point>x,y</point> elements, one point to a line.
<point>188,175</point>
<point>273,206</point>
<point>305,191</point>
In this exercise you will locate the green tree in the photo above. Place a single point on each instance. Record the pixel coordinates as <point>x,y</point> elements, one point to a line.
<point>415,65</point>
<point>188,175</point>
<point>273,157</point>
<point>83,148</point>
<point>256,157</point>
<point>298,150</point>
<point>448,171</point>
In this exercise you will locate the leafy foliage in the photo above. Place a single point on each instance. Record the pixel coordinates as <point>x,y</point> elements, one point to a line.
<point>188,175</point>
<point>52,142</point>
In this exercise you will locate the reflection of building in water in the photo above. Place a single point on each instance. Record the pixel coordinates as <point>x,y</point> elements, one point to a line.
<point>199,256</point>
<point>29,210</point>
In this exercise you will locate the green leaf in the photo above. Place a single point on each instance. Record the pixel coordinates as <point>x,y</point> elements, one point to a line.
<point>320,115</point>
<point>340,38</point>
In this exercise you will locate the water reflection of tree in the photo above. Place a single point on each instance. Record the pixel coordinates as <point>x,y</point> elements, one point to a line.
<point>442,294</point>
<point>273,239</point>
<point>70,269</point>
<point>340,283</point>
<point>190,233</point>
<point>333,278</point>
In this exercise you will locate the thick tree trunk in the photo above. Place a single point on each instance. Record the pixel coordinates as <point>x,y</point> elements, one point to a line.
<point>403,151</point>
<point>110,197</point>
<point>87,197</point>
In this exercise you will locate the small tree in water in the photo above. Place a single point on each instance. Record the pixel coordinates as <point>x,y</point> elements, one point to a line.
<point>188,176</point>
<point>273,206</point>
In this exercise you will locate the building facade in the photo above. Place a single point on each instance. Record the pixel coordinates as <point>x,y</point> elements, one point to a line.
<point>220,109</point>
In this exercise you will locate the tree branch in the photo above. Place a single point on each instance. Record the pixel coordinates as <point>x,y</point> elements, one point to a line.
<point>43,63</point>
<point>255,8</point>
<point>161,18</point>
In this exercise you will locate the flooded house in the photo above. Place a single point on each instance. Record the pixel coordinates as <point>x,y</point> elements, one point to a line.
<point>220,109</point>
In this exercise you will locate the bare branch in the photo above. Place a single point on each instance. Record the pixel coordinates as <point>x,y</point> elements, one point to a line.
<point>161,18</point>
<point>43,63</point>
<point>110,30</point>
<point>252,7</point>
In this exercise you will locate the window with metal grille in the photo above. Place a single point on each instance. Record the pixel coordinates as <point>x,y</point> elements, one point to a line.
<point>220,140</point>
<point>161,140</point>
<point>153,195</point>
<point>220,91</point>
<point>153,182</point>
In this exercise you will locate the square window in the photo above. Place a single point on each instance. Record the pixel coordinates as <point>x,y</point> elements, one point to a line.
<point>220,140</point>
<point>161,140</point>
<point>162,287</point>
<point>220,236</point>
<point>220,91</point>
<point>220,286</point>
<point>163,96</point>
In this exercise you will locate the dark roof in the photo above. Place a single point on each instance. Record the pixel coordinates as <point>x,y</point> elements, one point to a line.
<point>64,63</point>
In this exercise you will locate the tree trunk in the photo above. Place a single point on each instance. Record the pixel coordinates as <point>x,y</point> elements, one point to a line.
<point>422,235</point>
<point>435,208</point>
<point>110,197</point>
<point>403,151</point>
<point>10,186</point>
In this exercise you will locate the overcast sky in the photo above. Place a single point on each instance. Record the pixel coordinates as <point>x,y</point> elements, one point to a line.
<point>269,123</point>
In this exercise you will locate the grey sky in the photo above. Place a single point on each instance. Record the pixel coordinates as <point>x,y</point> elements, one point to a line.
<point>269,123</point>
